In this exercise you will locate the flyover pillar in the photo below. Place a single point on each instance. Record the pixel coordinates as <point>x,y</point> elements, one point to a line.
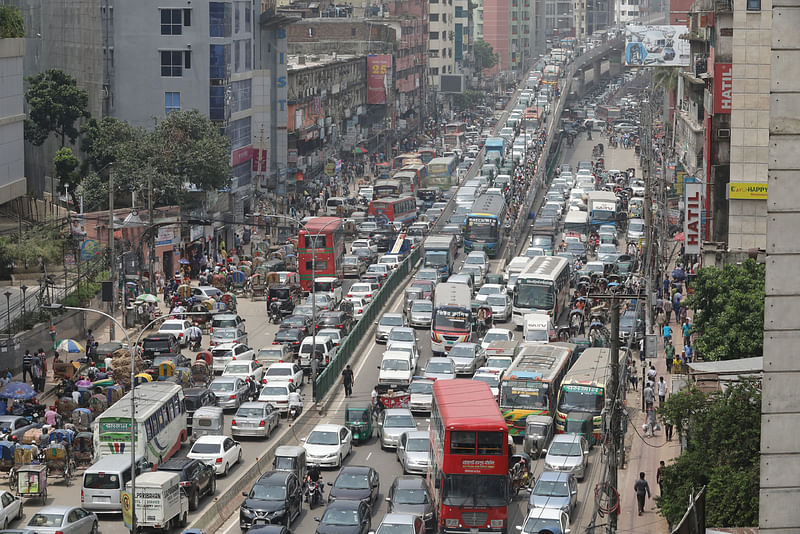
<point>597,72</point>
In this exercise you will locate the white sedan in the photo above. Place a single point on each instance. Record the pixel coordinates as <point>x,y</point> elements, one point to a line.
<point>328,445</point>
<point>221,452</point>
<point>362,290</point>
<point>277,394</point>
<point>501,306</point>
<point>244,369</point>
<point>489,289</point>
<point>12,508</point>
<point>178,328</point>
<point>496,334</point>
<point>359,304</point>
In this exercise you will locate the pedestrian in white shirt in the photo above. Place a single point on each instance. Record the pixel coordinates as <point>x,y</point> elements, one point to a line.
<point>662,390</point>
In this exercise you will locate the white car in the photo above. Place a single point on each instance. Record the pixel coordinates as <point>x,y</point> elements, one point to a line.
<point>178,328</point>
<point>244,369</point>
<point>284,372</point>
<point>11,508</point>
<point>408,348</point>
<point>277,394</point>
<point>496,334</point>
<point>334,333</point>
<point>363,290</point>
<point>226,352</point>
<point>421,395</point>
<point>364,243</point>
<point>328,445</point>
<point>491,377</point>
<point>489,289</point>
<point>359,304</point>
<point>392,260</point>
<point>221,452</point>
<point>395,371</point>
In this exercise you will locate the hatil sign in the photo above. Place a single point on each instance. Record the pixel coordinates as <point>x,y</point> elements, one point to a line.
<point>723,88</point>
<point>693,206</point>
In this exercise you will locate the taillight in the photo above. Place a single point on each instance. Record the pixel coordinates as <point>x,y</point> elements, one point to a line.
<point>211,329</point>
<point>275,343</point>
<point>360,311</point>
<point>81,495</point>
<point>185,484</point>
<point>233,422</point>
<point>180,334</point>
<point>291,380</point>
<point>369,295</point>
<point>232,397</point>
<point>219,460</point>
<point>233,358</point>
<point>261,423</point>
<point>349,295</point>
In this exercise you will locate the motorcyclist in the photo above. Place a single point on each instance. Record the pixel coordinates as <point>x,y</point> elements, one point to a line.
<point>195,335</point>
<point>296,403</point>
<point>274,310</point>
<point>314,476</point>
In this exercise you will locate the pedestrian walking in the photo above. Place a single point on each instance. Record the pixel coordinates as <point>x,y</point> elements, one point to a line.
<point>668,429</point>
<point>642,490</point>
<point>660,476</point>
<point>667,333</point>
<point>669,355</point>
<point>36,373</point>
<point>647,395</point>
<point>662,390</point>
<point>347,380</point>
<point>27,361</point>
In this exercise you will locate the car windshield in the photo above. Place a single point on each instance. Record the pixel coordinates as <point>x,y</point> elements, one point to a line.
<point>352,481</point>
<point>360,288</point>
<point>440,367</point>
<point>267,493</point>
<point>221,386</point>
<point>410,496</point>
<point>418,445</point>
<point>337,516</point>
<point>451,319</point>
<point>462,351</point>
<point>224,323</point>
<point>421,387</point>
<point>351,260</point>
<point>533,526</point>
<point>396,528</point>
<point>495,336</point>
<point>46,520</point>
<point>171,327</point>
<point>399,421</point>
<point>101,481</point>
<point>496,300</point>
<point>250,412</point>
<point>489,378</point>
<point>279,371</point>
<point>321,437</point>
<point>576,398</point>
<point>561,448</point>
<point>295,320</point>
<point>421,306</point>
<point>475,490</point>
<point>394,365</point>
<point>237,369</point>
<point>205,448</point>
<point>273,390</point>
<point>531,296</point>
<point>391,320</point>
<point>501,363</point>
<point>490,290</point>
<point>224,334</point>
<point>401,335</point>
<point>474,260</point>
<point>551,488</point>
<point>636,226</point>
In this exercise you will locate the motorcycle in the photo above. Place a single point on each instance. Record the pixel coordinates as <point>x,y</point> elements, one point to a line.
<point>295,411</point>
<point>194,344</point>
<point>313,494</point>
<point>275,316</point>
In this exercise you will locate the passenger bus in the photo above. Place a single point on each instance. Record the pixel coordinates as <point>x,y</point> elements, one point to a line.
<point>468,473</point>
<point>452,316</point>
<point>383,170</point>
<point>542,287</point>
<point>485,225</point>
<point>402,210</point>
<point>442,170</point>
<point>389,187</point>
<point>426,154</point>
<point>531,118</point>
<point>576,221</point>
<point>583,389</point>
<point>551,74</point>
<point>453,141</point>
<point>325,236</point>
<point>420,172</point>
<point>159,424</point>
<point>531,383</point>
<point>398,162</point>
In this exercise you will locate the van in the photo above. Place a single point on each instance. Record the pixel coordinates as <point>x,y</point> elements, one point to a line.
<point>103,480</point>
<point>367,193</point>
<point>466,195</point>
<point>466,279</point>
<point>332,206</point>
<point>160,501</point>
<point>538,328</point>
<point>325,346</point>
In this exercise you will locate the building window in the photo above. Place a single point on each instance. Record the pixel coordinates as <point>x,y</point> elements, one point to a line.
<point>248,55</point>
<point>433,17</point>
<point>219,19</point>
<point>219,58</point>
<point>433,36</point>
<point>172,102</point>
<point>753,5</point>
<point>237,11</point>
<point>216,102</point>
<point>444,17</point>
<point>242,173</point>
<point>172,63</point>
<point>237,62</point>
<point>241,92</point>
<point>173,21</point>
<point>248,15</point>
<point>434,71</point>
<point>239,133</point>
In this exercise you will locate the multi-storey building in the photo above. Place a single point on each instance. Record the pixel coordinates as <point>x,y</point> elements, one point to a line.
<point>441,40</point>
<point>12,171</point>
<point>628,11</point>
<point>508,27</point>
<point>553,21</point>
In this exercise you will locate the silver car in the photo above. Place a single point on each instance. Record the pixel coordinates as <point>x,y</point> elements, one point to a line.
<point>421,313</point>
<point>385,325</point>
<point>467,357</point>
<point>63,519</point>
<point>255,419</point>
<point>394,422</point>
<point>440,369</point>
<point>568,453</point>
<point>555,490</point>
<point>421,393</point>
<point>230,391</point>
<point>501,307</point>
<point>412,451</point>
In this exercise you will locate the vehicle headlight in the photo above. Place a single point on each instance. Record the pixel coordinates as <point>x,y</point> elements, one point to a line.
<point>246,511</point>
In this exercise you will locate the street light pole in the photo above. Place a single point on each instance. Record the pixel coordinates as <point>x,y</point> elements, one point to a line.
<point>8,312</point>
<point>24,289</point>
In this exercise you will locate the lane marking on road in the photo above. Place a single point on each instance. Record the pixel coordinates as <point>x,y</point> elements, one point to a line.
<point>369,455</point>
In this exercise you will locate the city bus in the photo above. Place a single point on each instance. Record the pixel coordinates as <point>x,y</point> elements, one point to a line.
<point>398,162</point>
<point>583,389</point>
<point>159,419</point>
<point>531,383</point>
<point>420,172</point>
<point>426,154</point>
<point>383,170</point>
<point>468,474</point>
<point>442,170</point>
<point>551,74</point>
<point>324,236</point>
<point>456,140</point>
<point>577,222</point>
<point>452,316</point>
<point>402,210</point>
<point>485,225</point>
<point>543,286</point>
<point>389,187</point>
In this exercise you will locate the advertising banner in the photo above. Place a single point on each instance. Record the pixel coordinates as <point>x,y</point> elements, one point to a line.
<point>378,69</point>
<point>723,88</point>
<point>747,191</point>
<point>693,206</point>
<point>656,46</point>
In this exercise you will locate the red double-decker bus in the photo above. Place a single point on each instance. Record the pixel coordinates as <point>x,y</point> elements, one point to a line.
<point>325,237</point>
<point>402,210</point>
<point>468,475</point>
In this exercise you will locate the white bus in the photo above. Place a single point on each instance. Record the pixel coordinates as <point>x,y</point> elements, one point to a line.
<point>160,419</point>
<point>543,286</point>
<point>578,222</point>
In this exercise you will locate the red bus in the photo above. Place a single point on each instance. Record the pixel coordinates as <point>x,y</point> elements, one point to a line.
<point>468,474</point>
<point>405,159</point>
<point>325,237</point>
<point>403,210</point>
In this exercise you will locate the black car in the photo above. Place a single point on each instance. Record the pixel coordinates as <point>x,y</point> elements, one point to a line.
<point>178,359</point>
<point>275,498</point>
<point>366,255</point>
<point>630,324</point>
<point>409,495</point>
<point>291,337</point>
<point>384,240</point>
<point>194,398</point>
<point>335,319</point>
<point>303,322</point>
<point>286,296</point>
<point>157,344</point>
<point>356,483</point>
<point>197,478</point>
<point>345,517</point>
<point>269,529</point>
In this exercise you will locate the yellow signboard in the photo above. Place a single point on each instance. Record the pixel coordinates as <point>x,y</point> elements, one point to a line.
<point>330,169</point>
<point>127,509</point>
<point>747,191</point>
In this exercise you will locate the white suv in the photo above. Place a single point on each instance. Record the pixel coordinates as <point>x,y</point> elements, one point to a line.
<point>178,328</point>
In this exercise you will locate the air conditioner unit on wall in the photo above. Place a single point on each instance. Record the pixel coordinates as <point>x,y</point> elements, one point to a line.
<point>723,133</point>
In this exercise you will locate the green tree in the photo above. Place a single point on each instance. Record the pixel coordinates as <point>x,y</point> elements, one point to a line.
<point>65,164</point>
<point>722,452</point>
<point>55,104</point>
<point>108,140</point>
<point>11,23</point>
<point>42,243</point>
<point>666,78</point>
<point>729,311</point>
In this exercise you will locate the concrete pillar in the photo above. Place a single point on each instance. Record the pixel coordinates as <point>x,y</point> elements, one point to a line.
<point>578,84</point>
<point>596,74</point>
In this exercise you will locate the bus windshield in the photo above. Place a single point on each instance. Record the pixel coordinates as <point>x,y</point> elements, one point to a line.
<point>534,296</point>
<point>482,228</point>
<point>475,490</point>
<point>435,258</point>
<point>452,319</point>
<point>580,399</point>
<point>523,394</point>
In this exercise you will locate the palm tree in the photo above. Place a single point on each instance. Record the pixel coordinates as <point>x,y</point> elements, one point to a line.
<point>666,78</point>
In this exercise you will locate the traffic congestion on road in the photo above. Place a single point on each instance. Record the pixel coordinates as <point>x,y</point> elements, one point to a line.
<point>472,404</point>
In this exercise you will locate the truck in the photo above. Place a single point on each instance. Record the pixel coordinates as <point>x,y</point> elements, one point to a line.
<point>602,208</point>
<point>439,252</point>
<point>495,148</point>
<point>161,503</point>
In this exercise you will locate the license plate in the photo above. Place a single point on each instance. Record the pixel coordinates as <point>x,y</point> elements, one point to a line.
<point>101,499</point>
<point>155,353</point>
<point>260,522</point>
<point>473,531</point>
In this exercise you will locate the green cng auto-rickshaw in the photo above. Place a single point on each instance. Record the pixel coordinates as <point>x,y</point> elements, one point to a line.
<point>358,419</point>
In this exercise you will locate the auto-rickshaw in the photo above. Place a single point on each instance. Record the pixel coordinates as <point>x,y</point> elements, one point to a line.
<point>142,378</point>
<point>582,424</point>
<point>98,404</point>
<point>201,374</point>
<point>166,370</point>
<point>538,432</point>
<point>358,419</point>
<point>290,458</point>
<point>207,421</point>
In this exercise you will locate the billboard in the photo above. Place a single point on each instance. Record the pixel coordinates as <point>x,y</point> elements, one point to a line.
<point>693,207</point>
<point>656,46</point>
<point>452,83</point>
<point>723,88</point>
<point>379,67</point>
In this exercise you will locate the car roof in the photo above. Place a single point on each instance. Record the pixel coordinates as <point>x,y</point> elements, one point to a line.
<point>229,345</point>
<point>212,438</point>
<point>397,518</point>
<point>355,469</point>
<point>544,513</point>
<point>55,509</point>
<point>409,482</point>
<point>397,411</point>
<point>344,504</point>
<point>555,476</point>
<point>567,438</point>
<point>252,404</point>
<point>222,378</point>
<point>418,434</point>
<point>327,427</point>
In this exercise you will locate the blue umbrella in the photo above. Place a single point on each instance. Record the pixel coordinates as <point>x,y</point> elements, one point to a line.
<point>17,391</point>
